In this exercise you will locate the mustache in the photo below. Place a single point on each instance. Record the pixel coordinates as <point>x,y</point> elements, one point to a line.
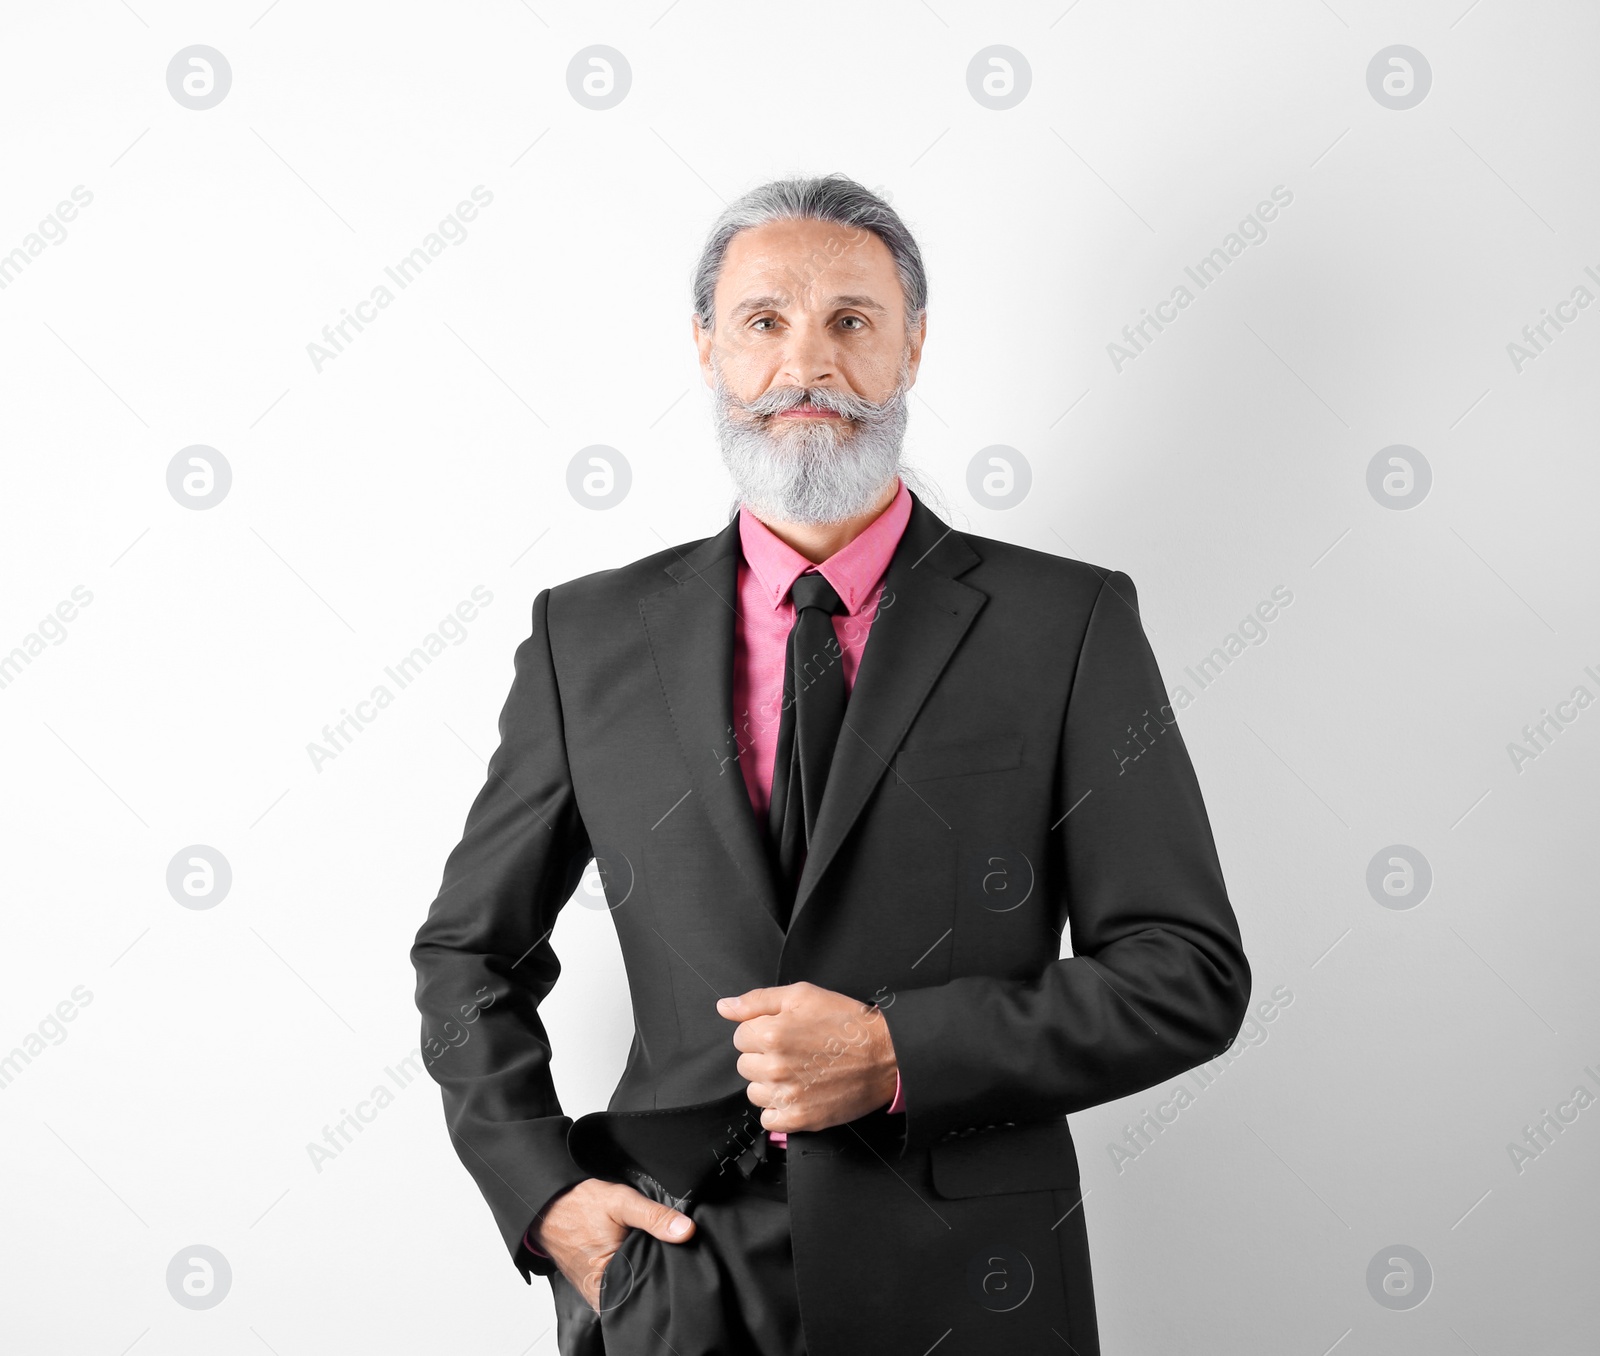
<point>781,398</point>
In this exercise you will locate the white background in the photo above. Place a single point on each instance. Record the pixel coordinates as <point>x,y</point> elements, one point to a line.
<point>370,497</point>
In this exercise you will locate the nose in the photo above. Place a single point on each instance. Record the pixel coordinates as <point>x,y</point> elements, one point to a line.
<point>808,357</point>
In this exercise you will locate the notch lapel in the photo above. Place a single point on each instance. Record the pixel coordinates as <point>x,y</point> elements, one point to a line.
<point>689,626</point>
<point>924,613</point>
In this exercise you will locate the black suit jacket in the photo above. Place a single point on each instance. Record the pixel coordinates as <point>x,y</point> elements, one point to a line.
<point>1008,768</point>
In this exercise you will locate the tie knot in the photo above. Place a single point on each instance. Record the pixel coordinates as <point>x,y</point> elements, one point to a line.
<point>812,590</point>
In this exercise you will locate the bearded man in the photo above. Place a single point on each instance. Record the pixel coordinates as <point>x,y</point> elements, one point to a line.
<point>848,776</point>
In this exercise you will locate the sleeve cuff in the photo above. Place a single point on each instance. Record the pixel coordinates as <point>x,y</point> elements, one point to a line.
<point>899,1103</point>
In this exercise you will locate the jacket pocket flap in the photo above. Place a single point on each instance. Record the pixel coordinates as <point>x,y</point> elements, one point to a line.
<point>1035,1157</point>
<point>958,757</point>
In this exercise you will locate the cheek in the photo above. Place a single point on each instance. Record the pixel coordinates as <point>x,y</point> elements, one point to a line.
<point>746,364</point>
<point>873,371</point>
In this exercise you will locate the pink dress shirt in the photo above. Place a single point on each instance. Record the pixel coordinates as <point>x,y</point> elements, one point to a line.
<point>761,638</point>
<point>767,569</point>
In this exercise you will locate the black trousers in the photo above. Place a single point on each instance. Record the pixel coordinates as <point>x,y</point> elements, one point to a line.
<point>728,1291</point>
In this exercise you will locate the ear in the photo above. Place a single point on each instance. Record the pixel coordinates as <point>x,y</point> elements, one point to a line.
<point>702,344</point>
<point>914,358</point>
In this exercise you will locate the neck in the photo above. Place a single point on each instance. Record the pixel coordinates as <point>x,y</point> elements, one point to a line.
<point>817,541</point>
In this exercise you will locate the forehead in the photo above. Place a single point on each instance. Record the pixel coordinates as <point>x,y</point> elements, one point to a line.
<point>808,262</point>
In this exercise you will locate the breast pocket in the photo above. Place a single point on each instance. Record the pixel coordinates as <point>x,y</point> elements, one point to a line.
<point>958,758</point>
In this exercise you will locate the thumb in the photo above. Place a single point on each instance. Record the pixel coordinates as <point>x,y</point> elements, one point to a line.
<point>752,1003</point>
<point>659,1221</point>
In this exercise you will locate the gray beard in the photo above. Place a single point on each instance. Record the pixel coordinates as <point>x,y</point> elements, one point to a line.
<point>818,472</point>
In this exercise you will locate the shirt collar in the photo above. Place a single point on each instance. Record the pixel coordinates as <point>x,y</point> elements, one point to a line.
<point>853,570</point>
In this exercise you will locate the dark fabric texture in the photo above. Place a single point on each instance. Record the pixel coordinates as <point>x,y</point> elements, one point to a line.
<point>814,699</point>
<point>688,1151</point>
<point>1008,775</point>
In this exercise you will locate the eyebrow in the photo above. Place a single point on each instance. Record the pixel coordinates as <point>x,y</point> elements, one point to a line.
<point>754,304</point>
<point>778,303</point>
<point>860,303</point>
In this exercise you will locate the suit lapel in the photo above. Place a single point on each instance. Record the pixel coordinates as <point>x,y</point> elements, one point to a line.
<point>689,626</point>
<point>923,614</point>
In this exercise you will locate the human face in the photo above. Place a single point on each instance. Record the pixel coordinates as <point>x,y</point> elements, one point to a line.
<point>813,305</point>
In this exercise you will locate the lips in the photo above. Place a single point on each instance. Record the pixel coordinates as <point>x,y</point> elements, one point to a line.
<point>807,412</point>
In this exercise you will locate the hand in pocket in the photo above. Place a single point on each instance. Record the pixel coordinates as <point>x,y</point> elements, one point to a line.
<point>584,1226</point>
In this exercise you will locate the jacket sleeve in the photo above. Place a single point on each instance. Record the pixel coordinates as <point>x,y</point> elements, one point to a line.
<point>484,962</point>
<point>1157,982</point>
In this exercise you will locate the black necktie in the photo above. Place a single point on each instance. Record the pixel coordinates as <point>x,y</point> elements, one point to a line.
<point>813,711</point>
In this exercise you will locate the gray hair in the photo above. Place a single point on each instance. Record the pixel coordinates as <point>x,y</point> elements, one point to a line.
<point>834,198</point>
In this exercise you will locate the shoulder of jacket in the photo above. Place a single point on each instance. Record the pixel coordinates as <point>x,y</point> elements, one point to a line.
<point>1077,580</point>
<point>621,583</point>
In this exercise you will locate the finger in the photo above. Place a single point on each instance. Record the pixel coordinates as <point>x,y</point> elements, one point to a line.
<point>753,1003</point>
<point>781,1113</point>
<point>757,1035</point>
<point>759,1068</point>
<point>782,1106</point>
<point>638,1211</point>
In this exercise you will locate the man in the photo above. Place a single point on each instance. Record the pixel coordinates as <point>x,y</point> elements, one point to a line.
<point>848,774</point>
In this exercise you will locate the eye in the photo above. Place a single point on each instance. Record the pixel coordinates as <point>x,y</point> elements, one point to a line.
<point>852,322</point>
<point>761,322</point>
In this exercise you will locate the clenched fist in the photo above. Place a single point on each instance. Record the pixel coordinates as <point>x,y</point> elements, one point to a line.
<point>813,1058</point>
